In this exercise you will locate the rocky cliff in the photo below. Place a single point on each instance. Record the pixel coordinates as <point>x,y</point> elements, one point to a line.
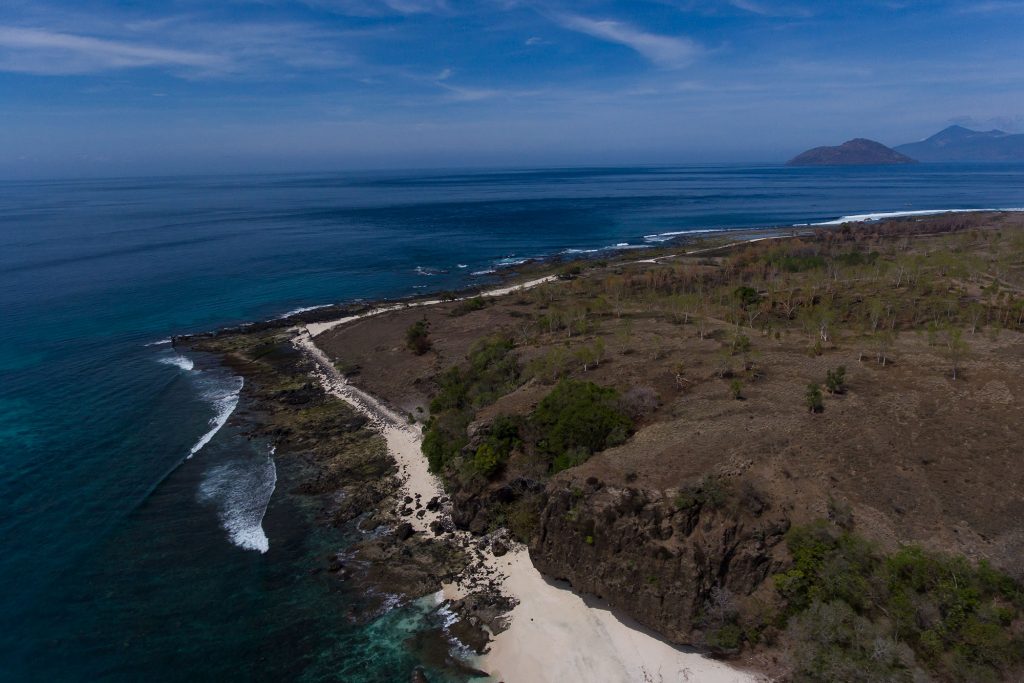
<point>688,563</point>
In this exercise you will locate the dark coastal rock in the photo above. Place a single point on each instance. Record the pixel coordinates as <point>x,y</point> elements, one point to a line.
<point>418,676</point>
<point>499,549</point>
<point>473,508</point>
<point>411,568</point>
<point>404,531</point>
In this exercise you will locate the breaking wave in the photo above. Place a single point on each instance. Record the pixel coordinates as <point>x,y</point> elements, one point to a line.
<point>241,490</point>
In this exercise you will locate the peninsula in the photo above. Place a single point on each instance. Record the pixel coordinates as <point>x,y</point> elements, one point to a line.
<point>769,447</point>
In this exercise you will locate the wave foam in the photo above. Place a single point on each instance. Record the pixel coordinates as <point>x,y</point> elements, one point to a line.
<point>225,400</point>
<point>865,217</point>
<point>160,342</point>
<point>666,236</point>
<point>303,309</point>
<point>241,491</point>
<point>178,361</point>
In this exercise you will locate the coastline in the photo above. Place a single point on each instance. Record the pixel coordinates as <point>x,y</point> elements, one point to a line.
<point>548,620</point>
<point>554,634</point>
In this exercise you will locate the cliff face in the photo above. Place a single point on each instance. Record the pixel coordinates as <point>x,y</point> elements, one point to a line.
<point>857,152</point>
<point>676,562</point>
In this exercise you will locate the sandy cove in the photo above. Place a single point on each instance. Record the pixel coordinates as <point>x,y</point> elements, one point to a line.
<point>555,635</point>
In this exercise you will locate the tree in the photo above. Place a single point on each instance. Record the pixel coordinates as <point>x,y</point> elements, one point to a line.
<point>956,348</point>
<point>736,389</point>
<point>835,380</point>
<point>813,398</point>
<point>417,337</point>
<point>599,350</point>
<point>586,357</point>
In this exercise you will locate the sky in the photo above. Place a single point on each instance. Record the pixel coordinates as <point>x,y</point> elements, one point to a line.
<point>104,87</point>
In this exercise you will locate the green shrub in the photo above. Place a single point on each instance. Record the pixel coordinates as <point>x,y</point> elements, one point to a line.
<point>576,420</point>
<point>736,389</point>
<point>417,337</point>
<point>812,399</point>
<point>488,460</point>
<point>476,303</point>
<point>491,371</point>
<point>858,615</point>
<point>835,380</point>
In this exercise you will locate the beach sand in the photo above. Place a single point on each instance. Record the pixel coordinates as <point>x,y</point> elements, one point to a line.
<point>555,635</point>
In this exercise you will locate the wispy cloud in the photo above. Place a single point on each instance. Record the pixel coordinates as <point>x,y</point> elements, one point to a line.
<point>376,8</point>
<point>178,45</point>
<point>672,52</point>
<point>37,51</point>
<point>992,7</point>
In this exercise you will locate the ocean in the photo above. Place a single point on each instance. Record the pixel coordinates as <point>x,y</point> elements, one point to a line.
<point>144,537</point>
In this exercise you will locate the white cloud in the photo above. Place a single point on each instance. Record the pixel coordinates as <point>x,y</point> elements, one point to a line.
<point>45,52</point>
<point>671,52</point>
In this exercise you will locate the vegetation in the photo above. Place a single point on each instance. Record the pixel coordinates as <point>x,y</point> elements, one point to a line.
<point>576,420</point>
<point>812,398</point>
<point>417,337</point>
<point>476,303</point>
<point>736,389</point>
<point>491,371</point>
<point>858,615</point>
<point>835,380</point>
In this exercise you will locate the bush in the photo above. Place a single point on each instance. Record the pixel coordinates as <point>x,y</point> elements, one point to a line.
<point>488,460</point>
<point>736,389</point>
<point>576,420</point>
<point>417,337</point>
<point>835,380</point>
<point>477,303</point>
<point>491,372</point>
<point>858,615</point>
<point>813,398</point>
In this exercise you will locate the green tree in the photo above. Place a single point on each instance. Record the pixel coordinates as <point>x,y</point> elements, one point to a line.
<point>417,337</point>
<point>835,380</point>
<point>577,419</point>
<point>736,389</point>
<point>813,398</point>
<point>956,349</point>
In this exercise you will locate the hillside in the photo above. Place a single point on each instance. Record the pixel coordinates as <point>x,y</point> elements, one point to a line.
<point>959,144</point>
<point>856,152</point>
<point>776,451</point>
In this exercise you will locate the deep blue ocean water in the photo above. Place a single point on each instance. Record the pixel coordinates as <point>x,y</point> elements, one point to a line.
<point>123,559</point>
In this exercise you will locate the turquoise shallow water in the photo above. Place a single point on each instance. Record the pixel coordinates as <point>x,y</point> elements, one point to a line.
<point>123,559</point>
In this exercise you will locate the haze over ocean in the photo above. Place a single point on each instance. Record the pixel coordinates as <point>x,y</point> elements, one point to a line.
<point>126,559</point>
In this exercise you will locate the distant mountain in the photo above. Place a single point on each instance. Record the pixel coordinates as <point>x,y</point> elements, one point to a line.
<point>857,152</point>
<point>957,143</point>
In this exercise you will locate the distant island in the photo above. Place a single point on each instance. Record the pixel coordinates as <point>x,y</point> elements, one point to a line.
<point>957,143</point>
<point>856,152</point>
<point>950,145</point>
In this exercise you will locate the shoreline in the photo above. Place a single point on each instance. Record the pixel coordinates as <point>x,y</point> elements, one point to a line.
<point>549,622</point>
<point>319,318</point>
<point>559,624</point>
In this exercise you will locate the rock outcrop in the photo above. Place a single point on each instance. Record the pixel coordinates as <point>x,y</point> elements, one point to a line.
<point>677,564</point>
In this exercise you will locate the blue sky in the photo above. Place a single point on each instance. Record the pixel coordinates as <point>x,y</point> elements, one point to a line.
<point>98,87</point>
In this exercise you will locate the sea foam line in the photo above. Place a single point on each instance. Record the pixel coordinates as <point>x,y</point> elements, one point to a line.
<point>865,217</point>
<point>225,403</point>
<point>302,309</point>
